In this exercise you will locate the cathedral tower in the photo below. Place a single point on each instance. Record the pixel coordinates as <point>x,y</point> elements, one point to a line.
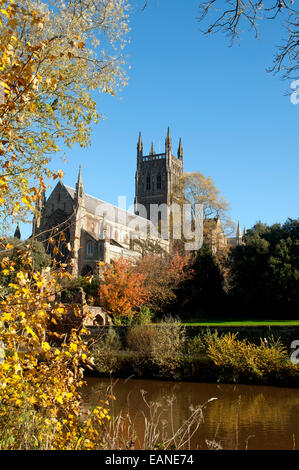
<point>156,175</point>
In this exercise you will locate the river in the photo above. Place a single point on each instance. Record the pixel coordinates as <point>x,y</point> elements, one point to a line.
<point>241,416</point>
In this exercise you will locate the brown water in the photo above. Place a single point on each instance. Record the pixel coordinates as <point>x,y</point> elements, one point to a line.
<point>252,417</point>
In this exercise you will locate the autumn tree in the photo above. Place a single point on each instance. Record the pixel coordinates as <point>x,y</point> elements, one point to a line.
<point>122,288</point>
<point>195,189</point>
<point>53,55</point>
<point>162,276</point>
<point>234,16</point>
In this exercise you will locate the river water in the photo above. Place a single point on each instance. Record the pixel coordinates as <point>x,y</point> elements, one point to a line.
<point>242,417</point>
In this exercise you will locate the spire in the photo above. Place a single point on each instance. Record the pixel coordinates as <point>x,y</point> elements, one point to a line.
<point>140,144</point>
<point>168,142</point>
<point>180,150</point>
<point>17,233</point>
<point>244,231</point>
<point>239,233</point>
<point>152,149</point>
<point>79,186</point>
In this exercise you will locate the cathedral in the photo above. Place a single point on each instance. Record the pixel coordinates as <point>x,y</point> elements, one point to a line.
<point>95,231</point>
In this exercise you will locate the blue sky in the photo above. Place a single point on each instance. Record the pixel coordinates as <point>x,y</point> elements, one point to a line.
<point>236,123</point>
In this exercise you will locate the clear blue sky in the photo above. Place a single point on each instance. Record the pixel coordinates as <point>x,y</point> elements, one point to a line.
<point>236,123</point>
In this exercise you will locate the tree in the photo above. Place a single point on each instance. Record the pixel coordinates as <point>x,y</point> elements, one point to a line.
<point>265,271</point>
<point>40,381</point>
<point>52,58</point>
<point>195,188</point>
<point>236,14</point>
<point>50,63</point>
<point>162,276</point>
<point>122,289</point>
<point>204,291</point>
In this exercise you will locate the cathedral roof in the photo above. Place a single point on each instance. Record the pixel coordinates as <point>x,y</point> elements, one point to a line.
<point>98,207</point>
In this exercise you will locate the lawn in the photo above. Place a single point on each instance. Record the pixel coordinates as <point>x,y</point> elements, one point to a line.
<point>246,322</point>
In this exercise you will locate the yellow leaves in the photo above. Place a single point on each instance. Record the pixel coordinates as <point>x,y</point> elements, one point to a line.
<point>81,45</point>
<point>26,199</point>
<point>73,347</point>
<point>59,174</point>
<point>45,346</point>
<point>9,246</point>
<point>4,12</point>
<point>31,332</point>
<point>32,107</point>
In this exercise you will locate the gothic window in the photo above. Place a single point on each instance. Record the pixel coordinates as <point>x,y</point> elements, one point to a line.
<point>93,227</point>
<point>90,248</point>
<point>159,182</point>
<point>148,183</point>
<point>58,197</point>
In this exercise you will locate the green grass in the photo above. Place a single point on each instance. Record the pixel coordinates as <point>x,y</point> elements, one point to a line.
<point>246,322</point>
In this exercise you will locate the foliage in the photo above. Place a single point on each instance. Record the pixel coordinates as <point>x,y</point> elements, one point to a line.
<point>15,256</point>
<point>53,55</point>
<point>161,345</point>
<point>162,277</point>
<point>204,290</point>
<point>122,290</point>
<point>103,352</point>
<point>40,382</point>
<point>198,345</point>
<point>90,286</point>
<point>195,188</point>
<point>143,317</point>
<point>168,346</point>
<point>265,271</point>
<point>239,359</point>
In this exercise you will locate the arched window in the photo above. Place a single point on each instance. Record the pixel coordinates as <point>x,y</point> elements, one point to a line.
<point>148,183</point>
<point>90,248</point>
<point>159,182</point>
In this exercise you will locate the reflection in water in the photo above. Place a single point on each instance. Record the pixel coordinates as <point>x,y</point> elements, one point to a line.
<point>243,416</point>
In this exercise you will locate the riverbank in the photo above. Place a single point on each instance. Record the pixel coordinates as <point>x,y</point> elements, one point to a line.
<point>196,354</point>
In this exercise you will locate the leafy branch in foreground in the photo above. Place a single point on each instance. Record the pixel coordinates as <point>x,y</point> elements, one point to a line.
<point>52,56</point>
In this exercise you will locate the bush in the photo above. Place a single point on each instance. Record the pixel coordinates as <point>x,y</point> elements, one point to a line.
<point>161,346</point>
<point>104,352</point>
<point>198,344</point>
<point>124,320</point>
<point>144,317</point>
<point>241,360</point>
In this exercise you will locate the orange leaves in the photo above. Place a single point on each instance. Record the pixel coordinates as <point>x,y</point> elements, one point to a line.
<point>123,290</point>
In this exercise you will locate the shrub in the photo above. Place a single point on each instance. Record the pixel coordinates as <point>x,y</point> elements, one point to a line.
<point>143,317</point>
<point>104,351</point>
<point>161,345</point>
<point>198,344</point>
<point>242,359</point>
<point>140,338</point>
<point>168,347</point>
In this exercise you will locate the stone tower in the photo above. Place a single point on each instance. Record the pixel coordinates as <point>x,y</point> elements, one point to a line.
<point>156,175</point>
